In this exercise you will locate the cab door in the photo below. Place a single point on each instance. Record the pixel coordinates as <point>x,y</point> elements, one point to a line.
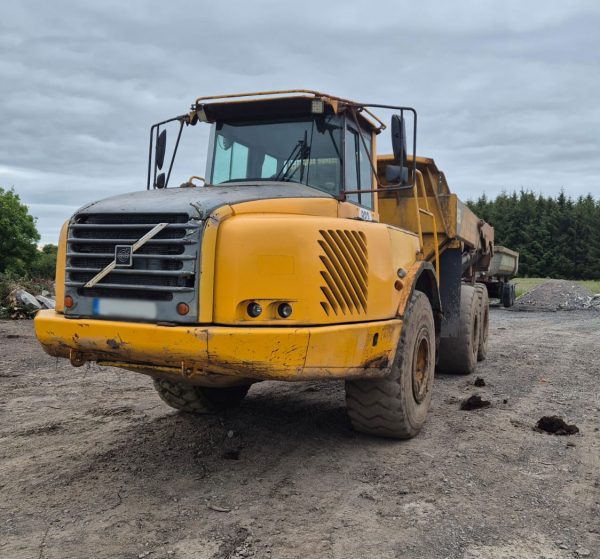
<point>358,173</point>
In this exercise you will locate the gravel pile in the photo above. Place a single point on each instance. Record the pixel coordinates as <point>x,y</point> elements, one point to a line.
<point>557,295</point>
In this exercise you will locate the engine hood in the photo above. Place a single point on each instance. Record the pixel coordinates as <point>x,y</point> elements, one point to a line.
<point>198,202</point>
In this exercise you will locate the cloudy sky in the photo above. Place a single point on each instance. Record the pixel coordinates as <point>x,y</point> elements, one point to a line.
<point>507,91</point>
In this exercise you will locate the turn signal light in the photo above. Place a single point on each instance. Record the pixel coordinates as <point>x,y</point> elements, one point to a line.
<point>183,309</point>
<point>69,301</point>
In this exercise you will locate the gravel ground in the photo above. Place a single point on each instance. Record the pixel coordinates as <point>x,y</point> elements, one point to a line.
<point>558,295</point>
<point>92,464</point>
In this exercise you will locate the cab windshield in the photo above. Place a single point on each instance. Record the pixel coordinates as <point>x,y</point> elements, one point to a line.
<point>306,151</point>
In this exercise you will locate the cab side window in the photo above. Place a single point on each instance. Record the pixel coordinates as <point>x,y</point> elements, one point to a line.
<point>358,167</point>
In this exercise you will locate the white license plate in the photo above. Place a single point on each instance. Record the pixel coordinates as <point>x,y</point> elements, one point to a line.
<point>122,308</point>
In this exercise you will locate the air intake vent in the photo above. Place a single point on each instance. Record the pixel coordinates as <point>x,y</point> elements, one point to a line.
<point>345,273</point>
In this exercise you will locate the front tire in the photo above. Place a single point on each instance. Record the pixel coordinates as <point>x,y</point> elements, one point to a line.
<point>397,406</point>
<point>199,400</point>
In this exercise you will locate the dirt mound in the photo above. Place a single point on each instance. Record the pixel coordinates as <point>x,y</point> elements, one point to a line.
<point>556,425</point>
<point>474,402</point>
<point>557,295</point>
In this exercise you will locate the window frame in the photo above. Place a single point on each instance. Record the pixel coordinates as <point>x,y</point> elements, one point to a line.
<point>210,160</point>
<point>350,127</point>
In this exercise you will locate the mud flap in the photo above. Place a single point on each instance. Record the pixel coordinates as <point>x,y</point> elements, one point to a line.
<point>451,271</point>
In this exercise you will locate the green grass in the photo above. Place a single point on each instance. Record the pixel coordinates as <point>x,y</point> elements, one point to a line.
<point>592,285</point>
<point>524,285</point>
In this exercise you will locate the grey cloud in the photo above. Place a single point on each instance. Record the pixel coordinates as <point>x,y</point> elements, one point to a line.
<point>506,92</point>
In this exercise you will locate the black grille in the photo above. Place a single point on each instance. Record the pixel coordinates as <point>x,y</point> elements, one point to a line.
<point>164,265</point>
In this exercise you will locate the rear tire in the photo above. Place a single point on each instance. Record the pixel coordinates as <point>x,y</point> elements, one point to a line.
<point>397,406</point>
<point>199,399</point>
<point>484,320</point>
<point>508,295</point>
<point>458,356</point>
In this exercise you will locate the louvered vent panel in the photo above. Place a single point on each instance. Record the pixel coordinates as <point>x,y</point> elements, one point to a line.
<point>345,271</point>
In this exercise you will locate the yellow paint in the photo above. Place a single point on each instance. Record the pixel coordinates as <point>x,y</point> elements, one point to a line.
<point>294,206</point>
<point>59,288</point>
<point>207,263</point>
<point>275,258</point>
<point>340,351</point>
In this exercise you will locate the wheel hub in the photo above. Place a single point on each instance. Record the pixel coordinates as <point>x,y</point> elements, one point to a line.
<point>421,366</point>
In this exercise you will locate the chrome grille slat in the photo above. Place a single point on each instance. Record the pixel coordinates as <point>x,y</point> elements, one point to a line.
<point>131,226</point>
<point>175,273</point>
<point>135,255</point>
<point>118,218</point>
<point>83,240</point>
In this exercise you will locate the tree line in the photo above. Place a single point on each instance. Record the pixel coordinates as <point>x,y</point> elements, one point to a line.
<point>557,237</point>
<point>19,252</point>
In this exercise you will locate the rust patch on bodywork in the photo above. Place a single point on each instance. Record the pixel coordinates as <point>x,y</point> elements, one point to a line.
<point>116,344</point>
<point>380,362</point>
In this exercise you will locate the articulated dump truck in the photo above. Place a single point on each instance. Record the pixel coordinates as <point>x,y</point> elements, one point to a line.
<point>302,255</point>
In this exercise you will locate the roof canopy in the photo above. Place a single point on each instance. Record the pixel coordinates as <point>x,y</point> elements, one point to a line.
<point>278,104</point>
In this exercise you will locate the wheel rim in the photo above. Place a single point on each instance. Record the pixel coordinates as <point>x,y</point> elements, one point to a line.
<point>421,366</point>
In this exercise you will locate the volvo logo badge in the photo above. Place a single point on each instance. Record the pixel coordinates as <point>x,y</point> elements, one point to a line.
<point>123,256</point>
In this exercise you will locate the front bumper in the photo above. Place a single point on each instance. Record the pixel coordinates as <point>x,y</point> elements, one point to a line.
<point>263,353</point>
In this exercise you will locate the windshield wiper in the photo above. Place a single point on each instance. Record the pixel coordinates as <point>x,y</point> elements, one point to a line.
<point>300,152</point>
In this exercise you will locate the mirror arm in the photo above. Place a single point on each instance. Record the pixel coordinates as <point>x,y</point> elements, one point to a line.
<point>150,157</point>
<point>388,187</point>
<point>181,122</point>
<point>155,162</point>
<point>180,118</point>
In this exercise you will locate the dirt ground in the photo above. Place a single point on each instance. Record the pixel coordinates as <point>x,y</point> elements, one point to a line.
<point>93,464</point>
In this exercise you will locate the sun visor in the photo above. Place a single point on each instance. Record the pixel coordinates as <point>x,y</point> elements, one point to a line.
<point>290,107</point>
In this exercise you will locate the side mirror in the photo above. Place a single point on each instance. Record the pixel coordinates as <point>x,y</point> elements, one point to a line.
<point>396,174</point>
<point>399,139</point>
<point>161,146</point>
<point>160,180</point>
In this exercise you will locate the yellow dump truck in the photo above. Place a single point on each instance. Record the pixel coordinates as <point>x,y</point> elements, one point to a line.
<point>302,255</point>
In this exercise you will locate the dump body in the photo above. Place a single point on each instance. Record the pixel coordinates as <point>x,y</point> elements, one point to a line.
<point>503,267</point>
<point>504,263</point>
<point>455,223</point>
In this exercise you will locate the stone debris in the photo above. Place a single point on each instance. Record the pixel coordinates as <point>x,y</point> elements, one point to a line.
<point>218,508</point>
<point>20,303</point>
<point>46,302</point>
<point>557,295</point>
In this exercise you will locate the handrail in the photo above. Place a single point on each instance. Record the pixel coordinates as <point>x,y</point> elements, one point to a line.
<point>426,211</point>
